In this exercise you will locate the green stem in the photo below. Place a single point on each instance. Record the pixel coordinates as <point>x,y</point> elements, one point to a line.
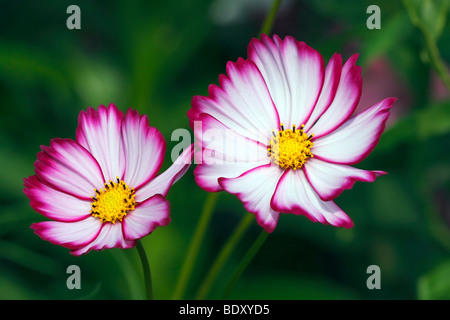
<point>436,59</point>
<point>248,218</point>
<point>192,253</point>
<point>226,251</point>
<point>268,23</point>
<point>433,51</point>
<point>145,269</point>
<point>245,262</point>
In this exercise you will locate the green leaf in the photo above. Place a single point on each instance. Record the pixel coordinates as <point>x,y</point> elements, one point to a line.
<point>15,288</point>
<point>25,257</point>
<point>435,285</point>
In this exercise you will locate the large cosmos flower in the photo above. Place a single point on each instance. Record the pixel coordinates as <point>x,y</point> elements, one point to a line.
<point>288,134</point>
<point>101,191</point>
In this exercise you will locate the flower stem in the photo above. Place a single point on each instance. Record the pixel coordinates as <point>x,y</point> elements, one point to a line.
<point>192,253</point>
<point>146,270</point>
<point>245,262</point>
<point>430,42</point>
<point>268,23</point>
<point>240,230</point>
<point>226,251</point>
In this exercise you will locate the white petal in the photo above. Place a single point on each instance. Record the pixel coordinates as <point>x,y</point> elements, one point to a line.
<point>69,168</point>
<point>356,138</point>
<point>100,133</point>
<point>294,74</point>
<point>161,183</point>
<point>144,219</point>
<point>68,234</point>
<point>255,189</point>
<point>144,148</point>
<point>328,92</point>
<point>242,102</point>
<point>227,145</point>
<point>223,153</point>
<point>329,180</point>
<point>295,195</point>
<point>110,236</point>
<point>345,100</point>
<point>55,204</point>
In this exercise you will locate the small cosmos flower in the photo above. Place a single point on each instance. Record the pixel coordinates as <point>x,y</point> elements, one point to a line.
<point>288,128</point>
<point>101,191</point>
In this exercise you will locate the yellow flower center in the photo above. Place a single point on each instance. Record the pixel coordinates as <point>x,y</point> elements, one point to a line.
<point>113,202</point>
<point>290,148</point>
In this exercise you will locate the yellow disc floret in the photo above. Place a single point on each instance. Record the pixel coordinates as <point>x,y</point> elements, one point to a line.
<point>290,148</point>
<point>113,202</point>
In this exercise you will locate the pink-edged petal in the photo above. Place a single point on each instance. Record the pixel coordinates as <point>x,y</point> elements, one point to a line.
<point>294,73</point>
<point>345,100</point>
<point>255,189</point>
<point>162,182</point>
<point>54,204</point>
<point>144,219</point>
<point>242,102</point>
<point>329,179</point>
<point>144,148</point>
<point>207,176</point>
<point>68,234</point>
<point>223,153</point>
<point>100,133</point>
<point>214,135</point>
<point>295,195</point>
<point>110,236</point>
<point>356,138</point>
<point>70,168</point>
<point>328,92</point>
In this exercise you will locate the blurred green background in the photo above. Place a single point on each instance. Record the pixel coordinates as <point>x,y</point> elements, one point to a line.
<point>154,56</point>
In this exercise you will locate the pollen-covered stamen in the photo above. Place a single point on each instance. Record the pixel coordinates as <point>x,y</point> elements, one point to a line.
<point>113,202</point>
<point>290,148</point>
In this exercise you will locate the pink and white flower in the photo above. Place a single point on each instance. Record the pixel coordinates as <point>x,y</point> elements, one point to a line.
<point>289,132</point>
<point>101,191</point>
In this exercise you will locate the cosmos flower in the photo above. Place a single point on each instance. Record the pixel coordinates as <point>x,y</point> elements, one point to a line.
<point>101,191</point>
<point>287,132</point>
